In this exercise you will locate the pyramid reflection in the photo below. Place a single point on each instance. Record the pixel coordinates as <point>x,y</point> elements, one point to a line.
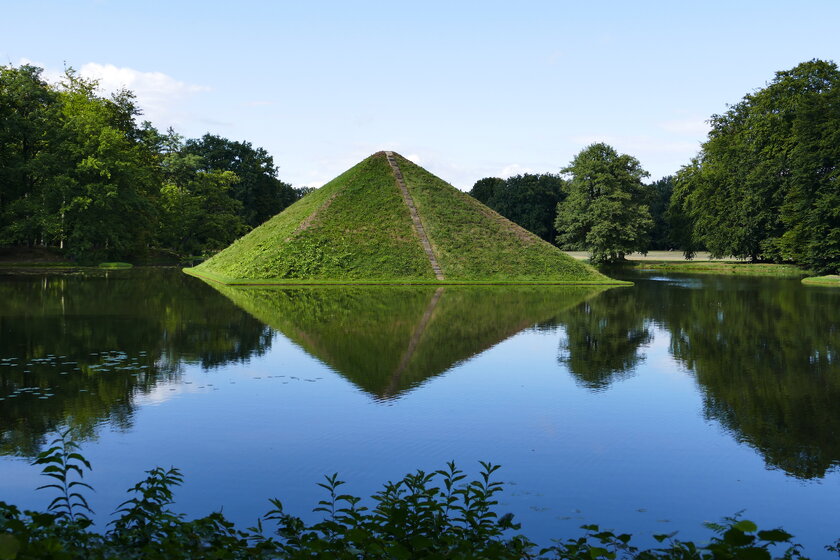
<point>389,340</point>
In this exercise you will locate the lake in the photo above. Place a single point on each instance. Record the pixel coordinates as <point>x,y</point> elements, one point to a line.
<point>646,409</point>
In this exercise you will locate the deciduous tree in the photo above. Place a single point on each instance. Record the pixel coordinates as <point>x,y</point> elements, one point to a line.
<point>765,185</point>
<point>606,210</point>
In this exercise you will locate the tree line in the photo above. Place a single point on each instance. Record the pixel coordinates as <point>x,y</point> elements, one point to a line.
<point>765,186</point>
<point>78,173</point>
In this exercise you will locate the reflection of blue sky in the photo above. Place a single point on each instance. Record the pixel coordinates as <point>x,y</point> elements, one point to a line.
<point>692,283</point>
<point>637,456</point>
<point>468,90</point>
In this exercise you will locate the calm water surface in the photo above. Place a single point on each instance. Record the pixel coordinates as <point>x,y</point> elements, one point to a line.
<point>647,409</point>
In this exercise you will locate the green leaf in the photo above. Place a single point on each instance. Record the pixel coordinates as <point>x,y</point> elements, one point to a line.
<point>775,535</point>
<point>9,547</point>
<point>754,554</point>
<point>737,537</point>
<point>746,526</point>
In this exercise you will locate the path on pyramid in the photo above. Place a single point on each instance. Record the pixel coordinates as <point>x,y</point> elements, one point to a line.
<point>387,220</point>
<point>415,217</point>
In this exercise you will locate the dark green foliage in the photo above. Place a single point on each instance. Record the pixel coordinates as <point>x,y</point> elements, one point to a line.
<point>606,211</point>
<point>145,518</point>
<point>681,224</point>
<point>659,197</point>
<point>484,190</point>
<point>198,215</point>
<point>29,109</point>
<point>260,192</point>
<point>443,514</point>
<point>528,200</point>
<point>765,185</point>
<point>159,320</point>
<point>79,174</point>
<point>602,339</point>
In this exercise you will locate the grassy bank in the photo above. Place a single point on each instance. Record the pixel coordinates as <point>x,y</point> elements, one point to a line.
<point>702,263</point>
<point>832,280</point>
<point>228,281</point>
<point>719,267</point>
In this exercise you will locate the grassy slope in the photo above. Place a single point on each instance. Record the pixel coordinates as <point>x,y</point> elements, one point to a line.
<point>360,230</point>
<point>341,243</point>
<point>473,242</point>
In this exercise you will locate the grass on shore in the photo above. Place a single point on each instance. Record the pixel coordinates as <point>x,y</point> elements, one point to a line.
<point>720,267</point>
<point>115,265</point>
<point>228,281</point>
<point>832,280</point>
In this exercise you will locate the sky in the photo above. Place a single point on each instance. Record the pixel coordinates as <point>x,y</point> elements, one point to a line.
<point>466,89</point>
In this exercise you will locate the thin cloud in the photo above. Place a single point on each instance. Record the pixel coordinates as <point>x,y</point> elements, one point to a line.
<point>513,169</point>
<point>158,95</point>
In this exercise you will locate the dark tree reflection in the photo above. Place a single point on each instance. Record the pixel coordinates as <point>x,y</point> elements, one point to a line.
<point>602,339</point>
<point>77,348</point>
<point>765,354</point>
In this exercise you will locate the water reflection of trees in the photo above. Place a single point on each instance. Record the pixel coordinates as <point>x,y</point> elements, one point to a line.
<point>79,348</point>
<point>765,354</point>
<point>602,339</point>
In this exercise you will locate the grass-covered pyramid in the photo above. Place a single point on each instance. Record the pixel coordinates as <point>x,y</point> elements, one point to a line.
<point>387,220</point>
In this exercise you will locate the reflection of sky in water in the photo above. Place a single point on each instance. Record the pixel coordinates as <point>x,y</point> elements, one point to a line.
<point>691,283</point>
<point>637,455</point>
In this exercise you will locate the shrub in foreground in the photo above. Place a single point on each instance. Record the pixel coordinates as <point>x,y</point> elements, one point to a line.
<point>442,514</point>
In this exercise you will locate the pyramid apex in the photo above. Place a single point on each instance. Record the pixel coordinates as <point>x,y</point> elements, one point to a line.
<point>387,220</point>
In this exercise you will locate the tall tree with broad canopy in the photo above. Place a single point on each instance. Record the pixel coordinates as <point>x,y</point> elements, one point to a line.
<point>30,130</point>
<point>605,211</point>
<point>766,185</point>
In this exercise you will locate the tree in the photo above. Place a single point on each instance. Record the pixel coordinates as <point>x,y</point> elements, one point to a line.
<point>197,213</point>
<point>259,190</point>
<point>103,203</point>
<point>29,134</point>
<point>529,200</point>
<point>79,174</point>
<point>811,208</point>
<point>659,197</point>
<point>485,190</point>
<point>765,185</point>
<point>605,211</point>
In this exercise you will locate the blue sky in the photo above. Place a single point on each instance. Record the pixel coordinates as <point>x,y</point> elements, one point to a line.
<point>466,89</point>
